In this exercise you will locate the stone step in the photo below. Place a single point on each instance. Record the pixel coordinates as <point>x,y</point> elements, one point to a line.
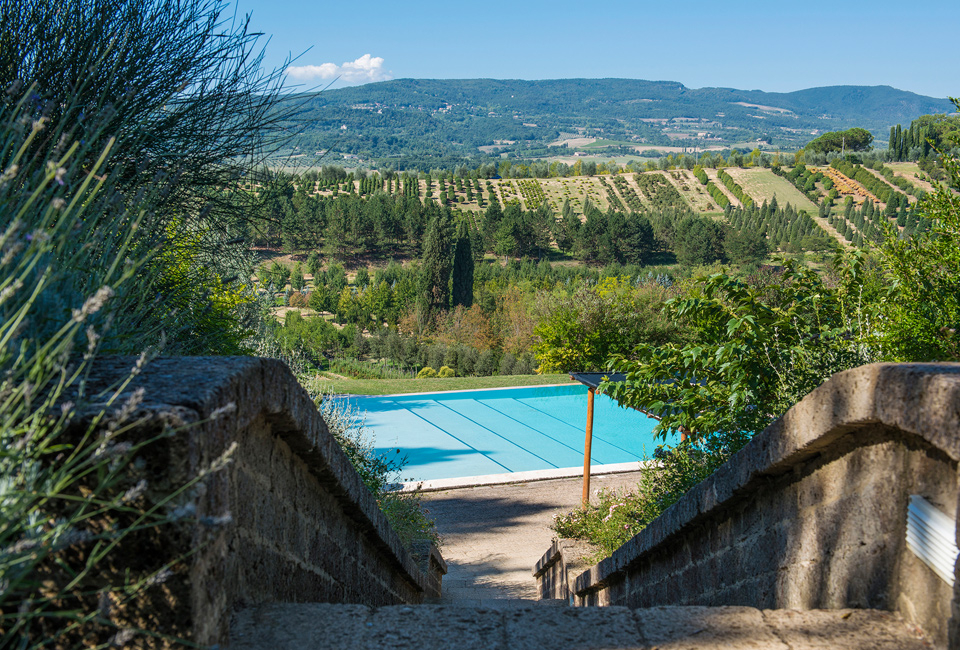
<point>495,603</point>
<point>316,626</point>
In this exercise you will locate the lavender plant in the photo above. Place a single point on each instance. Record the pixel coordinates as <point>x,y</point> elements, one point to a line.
<point>126,130</point>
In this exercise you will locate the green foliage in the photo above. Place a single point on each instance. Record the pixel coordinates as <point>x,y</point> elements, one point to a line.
<point>734,187</point>
<point>926,135</point>
<point>462,271</point>
<point>746,247</point>
<point>115,239</point>
<point>701,175</point>
<point>699,241</point>
<point>437,263</point>
<point>446,371</point>
<point>426,373</point>
<point>296,277</point>
<point>922,309</point>
<point>615,516</point>
<point>582,330</point>
<point>362,278</point>
<point>880,189</point>
<point>660,192</point>
<point>855,139</point>
<point>757,350</point>
<point>717,195</point>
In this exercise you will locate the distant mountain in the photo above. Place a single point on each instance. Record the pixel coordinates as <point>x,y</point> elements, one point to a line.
<point>454,118</point>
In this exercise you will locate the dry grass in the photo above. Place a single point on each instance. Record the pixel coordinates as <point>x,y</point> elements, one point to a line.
<point>762,185</point>
<point>909,171</point>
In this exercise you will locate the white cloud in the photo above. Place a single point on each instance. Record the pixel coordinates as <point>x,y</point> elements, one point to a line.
<point>364,70</point>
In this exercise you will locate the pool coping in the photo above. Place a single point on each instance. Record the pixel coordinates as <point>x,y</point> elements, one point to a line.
<point>435,485</point>
<point>461,390</point>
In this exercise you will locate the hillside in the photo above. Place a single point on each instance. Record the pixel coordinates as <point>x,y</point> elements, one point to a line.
<point>442,122</point>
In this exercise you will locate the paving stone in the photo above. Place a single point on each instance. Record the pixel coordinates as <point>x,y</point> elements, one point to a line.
<point>555,628</point>
<point>706,628</point>
<point>302,626</point>
<point>435,627</point>
<point>850,629</point>
<point>531,625</point>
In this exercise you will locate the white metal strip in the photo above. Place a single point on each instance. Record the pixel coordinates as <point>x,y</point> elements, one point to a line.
<point>932,537</point>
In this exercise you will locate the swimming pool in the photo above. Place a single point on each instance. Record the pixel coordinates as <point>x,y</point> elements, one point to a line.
<point>480,432</point>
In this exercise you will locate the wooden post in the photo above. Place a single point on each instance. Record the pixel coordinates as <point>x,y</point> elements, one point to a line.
<point>586,447</point>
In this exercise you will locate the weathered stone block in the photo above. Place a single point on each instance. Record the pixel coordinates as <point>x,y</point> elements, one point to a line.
<point>706,628</point>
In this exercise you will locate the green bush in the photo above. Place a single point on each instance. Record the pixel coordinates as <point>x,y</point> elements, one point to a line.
<point>446,371</point>
<point>426,373</point>
<point>617,515</point>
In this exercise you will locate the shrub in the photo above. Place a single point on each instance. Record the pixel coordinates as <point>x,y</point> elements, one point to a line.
<point>426,373</point>
<point>446,371</point>
<point>113,217</point>
<point>507,361</point>
<point>140,62</point>
<point>486,364</point>
<point>298,300</point>
<point>618,515</point>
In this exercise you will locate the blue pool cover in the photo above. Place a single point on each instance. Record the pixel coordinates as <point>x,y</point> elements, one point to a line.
<point>479,432</point>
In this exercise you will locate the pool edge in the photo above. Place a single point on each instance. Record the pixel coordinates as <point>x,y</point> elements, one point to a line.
<point>436,485</point>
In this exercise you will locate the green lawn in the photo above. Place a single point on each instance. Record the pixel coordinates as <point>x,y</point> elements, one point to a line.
<point>396,386</point>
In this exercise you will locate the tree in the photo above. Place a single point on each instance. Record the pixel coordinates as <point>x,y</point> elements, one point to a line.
<point>698,241</point>
<point>491,222</point>
<point>855,139</point>
<point>362,278</point>
<point>313,264</point>
<point>296,277</point>
<point>436,262</point>
<point>745,246</point>
<point>462,274</point>
<point>922,309</point>
<point>581,331</point>
<point>757,351</point>
<point>567,228</point>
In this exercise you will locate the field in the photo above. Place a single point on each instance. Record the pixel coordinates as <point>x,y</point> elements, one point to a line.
<point>348,386</point>
<point>623,191</point>
<point>712,175</point>
<point>909,171</point>
<point>762,185</point>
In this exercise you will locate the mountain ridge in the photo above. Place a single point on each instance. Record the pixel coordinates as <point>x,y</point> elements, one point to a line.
<point>455,117</point>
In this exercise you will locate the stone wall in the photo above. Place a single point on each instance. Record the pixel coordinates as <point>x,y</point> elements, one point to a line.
<point>811,514</point>
<point>559,566</point>
<point>286,518</point>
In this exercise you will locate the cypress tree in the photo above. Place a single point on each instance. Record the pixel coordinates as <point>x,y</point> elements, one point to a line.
<point>462,289</point>
<point>436,262</point>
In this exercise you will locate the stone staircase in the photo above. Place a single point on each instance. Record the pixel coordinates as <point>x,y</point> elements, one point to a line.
<point>530,625</point>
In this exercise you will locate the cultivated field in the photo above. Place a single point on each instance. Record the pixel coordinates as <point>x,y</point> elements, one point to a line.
<point>623,193</point>
<point>762,185</point>
<point>909,171</point>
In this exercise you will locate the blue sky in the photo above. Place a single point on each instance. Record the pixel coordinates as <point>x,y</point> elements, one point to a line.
<point>772,45</point>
